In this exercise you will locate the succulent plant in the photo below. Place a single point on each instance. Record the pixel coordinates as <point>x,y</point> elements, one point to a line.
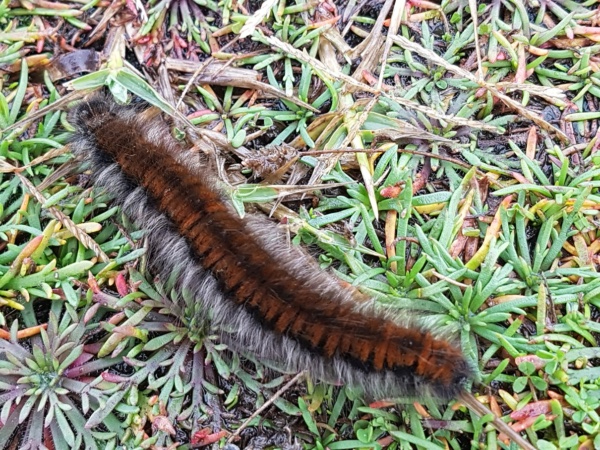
<point>48,386</point>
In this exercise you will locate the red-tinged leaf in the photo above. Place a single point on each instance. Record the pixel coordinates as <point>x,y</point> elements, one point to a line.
<point>114,378</point>
<point>93,348</point>
<point>556,396</point>
<point>569,32</point>
<point>82,359</point>
<point>520,178</point>
<point>586,30</point>
<point>133,362</point>
<point>421,410</point>
<point>200,113</point>
<point>587,445</point>
<point>521,74</point>
<point>369,77</point>
<point>91,312</point>
<point>200,434</point>
<point>202,439</point>
<point>556,161</point>
<point>537,362</point>
<point>391,191</point>
<point>130,4</point>
<point>48,439</point>
<point>381,404</point>
<point>530,410</point>
<point>26,333</point>
<point>524,424</point>
<point>537,51</point>
<point>93,284</point>
<point>495,407</point>
<point>116,318</point>
<point>386,441</point>
<point>422,177</point>
<point>121,284</point>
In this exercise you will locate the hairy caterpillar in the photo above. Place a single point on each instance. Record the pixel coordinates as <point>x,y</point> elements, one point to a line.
<point>267,298</point>
<point>280,304</point>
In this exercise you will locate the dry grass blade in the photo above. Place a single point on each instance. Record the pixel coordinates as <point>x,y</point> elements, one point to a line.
<point>433,57</point>
<point>109,13</point>
<point>552,95</point>
<point>268,403</point>
<point>7,167</point>
<point>469,399</point>
<point>80,235</point>
<point>370,48</point>
<point>58,104</point>
<point>371,45</point>
<point>221,74</point>
<point>399,9</point>
<point>200,69</point>
<point>45,157</point>
<point>432,113</point>
<point>534,117</point>
<point>363,162</point>
<point>335,38</point>
<point>473,8</point>
<point>257,18</point>
<point>318,65</point>
<point>407,131</point>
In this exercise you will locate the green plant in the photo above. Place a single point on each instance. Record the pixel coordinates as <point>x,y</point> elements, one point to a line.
<point>50,385</point>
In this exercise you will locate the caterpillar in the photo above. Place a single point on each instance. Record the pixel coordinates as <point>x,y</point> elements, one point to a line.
<point>268,299</point>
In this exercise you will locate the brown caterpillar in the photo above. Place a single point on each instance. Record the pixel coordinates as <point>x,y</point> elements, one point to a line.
<point>267,298</point>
